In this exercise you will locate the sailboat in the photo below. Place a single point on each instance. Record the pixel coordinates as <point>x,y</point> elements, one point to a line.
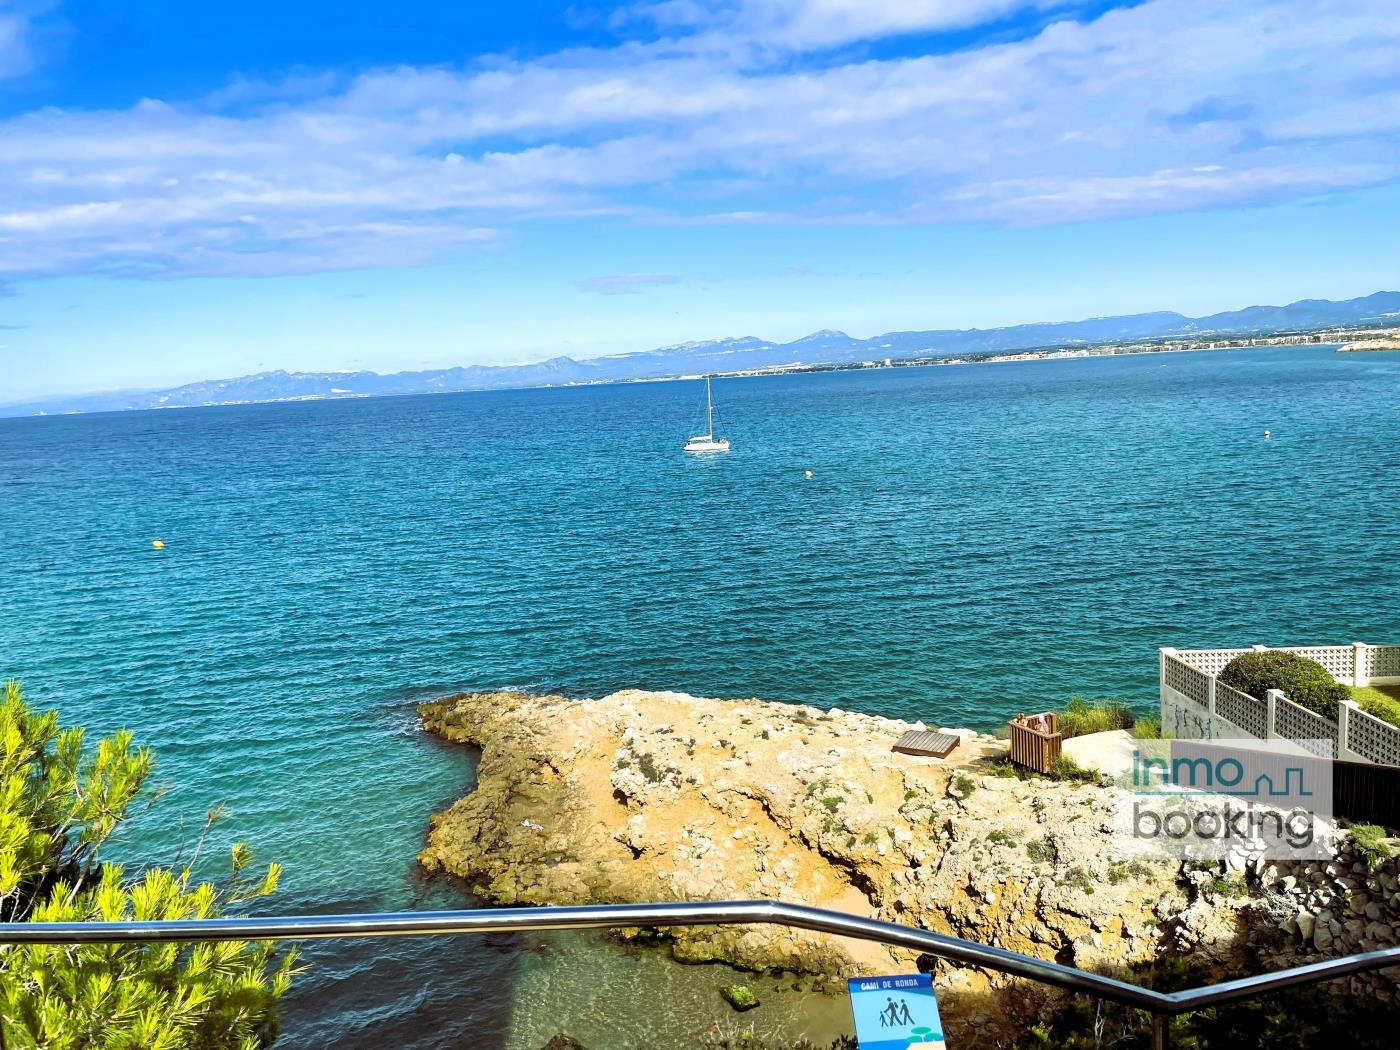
<point>707,442</point>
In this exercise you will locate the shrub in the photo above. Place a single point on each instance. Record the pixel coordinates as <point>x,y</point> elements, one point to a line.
<point>1067,769</point>
<point>1148,727</point>
<point>1303,681</point>
<point>1381,702</point>
<point>59,804</point>
<point>1370,844</point>
<point>1082,717</point>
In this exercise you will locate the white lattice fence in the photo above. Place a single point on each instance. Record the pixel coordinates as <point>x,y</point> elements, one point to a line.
<point>1242,710</point>
<point>1373,739</point>
<point>1385,661</point>
<point>1211,661</point>
<point>1338,659</point>
<point>1189,675</point>
<point>1308,728</point>
<point>1190,682</point>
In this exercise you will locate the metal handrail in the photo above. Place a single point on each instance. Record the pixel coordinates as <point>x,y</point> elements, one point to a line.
<point>701,913</point>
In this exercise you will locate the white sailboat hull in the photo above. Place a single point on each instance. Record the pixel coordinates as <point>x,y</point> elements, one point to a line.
<point>707,444</point>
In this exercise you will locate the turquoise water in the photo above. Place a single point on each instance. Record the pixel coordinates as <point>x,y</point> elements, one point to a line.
<point>974,541</point>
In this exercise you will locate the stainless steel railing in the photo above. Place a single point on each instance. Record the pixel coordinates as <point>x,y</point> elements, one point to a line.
<point>1161,1005</point>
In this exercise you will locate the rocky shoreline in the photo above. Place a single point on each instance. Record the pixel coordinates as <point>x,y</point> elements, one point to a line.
<point>1365,345</point>
<point>648,796</point>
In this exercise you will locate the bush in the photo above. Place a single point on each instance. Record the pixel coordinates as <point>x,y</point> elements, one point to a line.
<point>1303,681</point>
<point>59,804</point>
<point>1149,727</point>
<point>1382,702</point>
<point>1081,717</point>
<point>1070,771</point>
<point>1370,844</point>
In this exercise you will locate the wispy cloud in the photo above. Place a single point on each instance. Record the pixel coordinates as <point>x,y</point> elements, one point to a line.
<point>1149,108</point>
<point>14,50</point>
<point>18,51</point>
<point>626,283</point>
<point>807,24</point>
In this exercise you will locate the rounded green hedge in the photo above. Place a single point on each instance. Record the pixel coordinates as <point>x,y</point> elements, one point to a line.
<point>1303,681</point>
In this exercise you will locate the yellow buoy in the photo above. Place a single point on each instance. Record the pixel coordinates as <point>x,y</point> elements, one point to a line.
<point>158,544</point>
<point>808,473</point>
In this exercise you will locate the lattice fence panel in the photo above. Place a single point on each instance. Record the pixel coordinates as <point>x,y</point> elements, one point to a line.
<point>1187,680</point>
<point>1370,737</point>
<point>1211,661</point>
<point>1385,661</point>
<point>1307,728</point>
<point>1336,658</point>
<point>1242,710</point>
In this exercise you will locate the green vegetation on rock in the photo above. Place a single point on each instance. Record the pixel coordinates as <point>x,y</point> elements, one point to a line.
<point>60,803</point>
<point>739,996</point>
<point>1082,717</point>
<point>1301,1017</point>
<point>1371,844</point>
<point>1303,681</point>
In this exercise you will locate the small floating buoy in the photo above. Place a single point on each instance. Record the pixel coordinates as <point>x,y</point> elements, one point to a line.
<point>807,473</point>
<point>158,544</point>
<point>1268,433</point>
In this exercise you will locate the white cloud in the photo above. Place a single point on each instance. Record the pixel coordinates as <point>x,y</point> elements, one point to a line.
<point>626,283</point>
<point>807,24</point>
<point>1168,105</point>
<point>16,55</point>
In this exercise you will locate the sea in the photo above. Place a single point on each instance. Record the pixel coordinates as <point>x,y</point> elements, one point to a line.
<point>953,544</point>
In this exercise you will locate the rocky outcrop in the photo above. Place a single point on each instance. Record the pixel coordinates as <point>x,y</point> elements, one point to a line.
<point>1363,345</point>
<point>1306,911</point>
<point>664,796</point>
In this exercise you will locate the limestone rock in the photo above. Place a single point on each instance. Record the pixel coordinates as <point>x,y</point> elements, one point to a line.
<point>648,796</point>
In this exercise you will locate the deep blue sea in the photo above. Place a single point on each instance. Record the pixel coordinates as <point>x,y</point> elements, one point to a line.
<point>973,541</point>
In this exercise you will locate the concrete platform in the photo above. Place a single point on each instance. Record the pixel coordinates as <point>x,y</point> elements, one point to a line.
<point>1110,752</point>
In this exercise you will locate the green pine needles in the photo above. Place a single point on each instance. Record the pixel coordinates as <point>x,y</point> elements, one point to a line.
<point>59,803</point>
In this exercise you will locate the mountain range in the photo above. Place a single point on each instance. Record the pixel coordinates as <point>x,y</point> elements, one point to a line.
<point>737,354</point>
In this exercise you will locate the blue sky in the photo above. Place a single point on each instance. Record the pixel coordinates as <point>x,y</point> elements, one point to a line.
<point>192,191</point>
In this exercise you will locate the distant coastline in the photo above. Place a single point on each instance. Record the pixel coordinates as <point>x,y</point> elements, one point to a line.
<point>1067,353</point>
<point>1363,323</point>
<point>1061,353</point>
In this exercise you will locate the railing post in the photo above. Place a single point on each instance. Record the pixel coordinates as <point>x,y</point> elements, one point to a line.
<point>1271,699</point>
<point>1358,664</point>
<point>1210,715</point>
<point>1159,1032</point>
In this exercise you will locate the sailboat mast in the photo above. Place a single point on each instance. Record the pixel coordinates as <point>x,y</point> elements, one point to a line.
<point>709,409</point>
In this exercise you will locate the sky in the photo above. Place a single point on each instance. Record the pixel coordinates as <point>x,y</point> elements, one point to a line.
<point>193,191</point>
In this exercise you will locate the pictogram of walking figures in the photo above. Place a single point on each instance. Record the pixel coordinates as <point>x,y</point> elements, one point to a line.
<point>893,1016</point>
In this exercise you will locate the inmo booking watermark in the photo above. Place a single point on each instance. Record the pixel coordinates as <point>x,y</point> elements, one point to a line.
<point>1211,799</point>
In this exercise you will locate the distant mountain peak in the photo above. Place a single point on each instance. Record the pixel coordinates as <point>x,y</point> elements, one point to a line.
<point>734,354</point>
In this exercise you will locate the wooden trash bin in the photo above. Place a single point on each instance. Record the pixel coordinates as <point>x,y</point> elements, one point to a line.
<point>1035,741</point>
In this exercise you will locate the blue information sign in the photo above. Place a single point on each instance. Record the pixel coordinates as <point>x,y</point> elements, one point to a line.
<point>894,1013</point>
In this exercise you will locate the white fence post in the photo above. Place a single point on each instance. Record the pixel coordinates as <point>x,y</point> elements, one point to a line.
<point>1271,699</point>
<point>1162,655</point>
<point>1211,731</point>
<point>1344,749</point>
<point>1358,663</point>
